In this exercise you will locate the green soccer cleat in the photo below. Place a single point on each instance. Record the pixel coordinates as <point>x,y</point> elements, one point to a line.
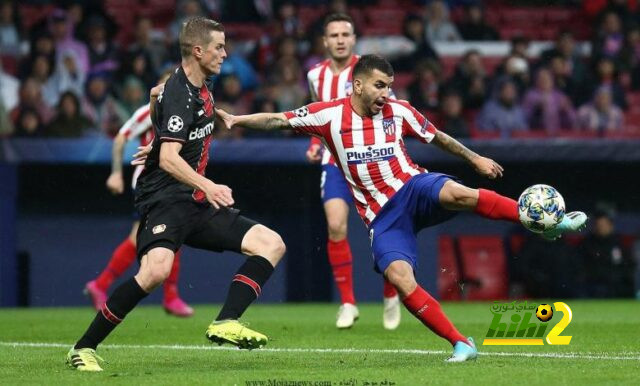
<point>84,359</point>
<point>235,333</point>
<point>572,222</point>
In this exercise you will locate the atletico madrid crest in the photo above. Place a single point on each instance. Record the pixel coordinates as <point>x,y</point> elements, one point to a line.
<point>389,126</point>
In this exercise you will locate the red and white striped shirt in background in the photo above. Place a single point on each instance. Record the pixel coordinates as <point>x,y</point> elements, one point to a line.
<point>326,86</point>
<point>370,151</point>
<point>139,125</point>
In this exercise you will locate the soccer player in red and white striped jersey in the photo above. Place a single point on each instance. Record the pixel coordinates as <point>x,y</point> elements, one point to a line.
<point>395,197</point>
<point>138,126</point>
<point>329,80</point>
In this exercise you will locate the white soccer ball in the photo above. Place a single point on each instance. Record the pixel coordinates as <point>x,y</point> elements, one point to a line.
<point>540,207</point>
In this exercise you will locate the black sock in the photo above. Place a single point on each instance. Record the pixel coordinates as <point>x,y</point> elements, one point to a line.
<point>245,287</point>
<point>123,300</point>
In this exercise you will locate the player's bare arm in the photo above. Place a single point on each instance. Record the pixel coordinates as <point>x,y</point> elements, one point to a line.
<point>483,165</point>
<point>171,162</point>
<point>115,182</point>
<point>260,121</point>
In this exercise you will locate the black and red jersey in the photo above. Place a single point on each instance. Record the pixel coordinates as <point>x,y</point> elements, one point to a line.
<point>183,113</point>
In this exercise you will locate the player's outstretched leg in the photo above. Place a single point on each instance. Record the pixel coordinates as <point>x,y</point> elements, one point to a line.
<point>265,248</point>
<point>490,204</point>
<point>122,257</point>
<point>339,253</point>
<point>171,301</point>
<point>391,310</point>
<point>424,307</point>
<point>154,269</point>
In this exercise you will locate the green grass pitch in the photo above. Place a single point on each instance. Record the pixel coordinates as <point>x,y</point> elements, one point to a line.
<point>305,348</point>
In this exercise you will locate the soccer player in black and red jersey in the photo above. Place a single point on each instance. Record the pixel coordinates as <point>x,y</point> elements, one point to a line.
<point>179,205</point>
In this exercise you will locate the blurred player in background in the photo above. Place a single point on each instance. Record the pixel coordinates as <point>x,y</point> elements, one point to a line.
<point>328,80</point>
<point>395,197</point>
<point>138,126</point>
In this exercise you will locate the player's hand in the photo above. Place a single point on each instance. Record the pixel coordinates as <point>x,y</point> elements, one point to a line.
<point>314,153</point>
<point>156,91</point>
<point>228,119</point>
<point>487,167</point>
<point>218,195</point>
<point>115,183</point>
<point>140,157</point>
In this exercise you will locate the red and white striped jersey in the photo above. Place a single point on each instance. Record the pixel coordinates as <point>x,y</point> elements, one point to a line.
<point>325,86</point>
<point>370,151</point>
<point>139,125</point>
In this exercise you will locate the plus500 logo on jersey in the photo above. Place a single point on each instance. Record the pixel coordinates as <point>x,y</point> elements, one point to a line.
<point>374,153</point>
<point>201,132</point>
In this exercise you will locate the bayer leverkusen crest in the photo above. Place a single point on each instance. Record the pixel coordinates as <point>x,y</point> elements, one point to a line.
<point>389,126</point>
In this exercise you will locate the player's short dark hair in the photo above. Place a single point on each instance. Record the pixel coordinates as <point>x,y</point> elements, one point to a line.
<point>368,63</point>
<point>337,17</point>
<point>196,31</point>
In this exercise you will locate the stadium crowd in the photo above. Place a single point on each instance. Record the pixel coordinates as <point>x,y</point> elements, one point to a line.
<point>78,68</point>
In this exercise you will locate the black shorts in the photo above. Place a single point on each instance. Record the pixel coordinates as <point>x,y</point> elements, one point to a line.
<point>201,226</point>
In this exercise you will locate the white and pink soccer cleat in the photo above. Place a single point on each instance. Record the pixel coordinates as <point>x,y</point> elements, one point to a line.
<point>177,307</point>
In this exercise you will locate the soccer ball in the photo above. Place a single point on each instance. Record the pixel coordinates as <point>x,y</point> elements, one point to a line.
<point>540,207</point>
<point>544,312</point>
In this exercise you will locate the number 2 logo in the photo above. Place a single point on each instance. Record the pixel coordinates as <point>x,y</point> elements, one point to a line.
<point>554,337</point>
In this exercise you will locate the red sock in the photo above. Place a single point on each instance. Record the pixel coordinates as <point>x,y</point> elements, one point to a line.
<point>497,207</point>
<point>171,284</point>
<point>389,290</point>
<point>340,259</point>
<point>121,259</point>
<point>428,310</point>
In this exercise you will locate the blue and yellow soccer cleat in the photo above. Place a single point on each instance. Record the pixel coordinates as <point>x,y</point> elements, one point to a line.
<point>572,222</point>
<point>84,359</point>
<point>235,333</point>
<point>463,352</point>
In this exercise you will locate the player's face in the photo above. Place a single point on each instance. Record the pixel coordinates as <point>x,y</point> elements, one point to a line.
<point>373,91</point>
<point>213,54</point>
<point>339,39</point>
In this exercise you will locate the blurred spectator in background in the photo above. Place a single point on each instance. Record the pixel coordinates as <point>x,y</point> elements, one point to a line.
<point>133,94</point>
<point>153,49</point>
<point>438,27</point>
<point>42,44</point>
<point>237,65</point>
<point>520,47</point>
<point>103,55</point>
<point>29,123</point>
<point>609,38</point>
<point>40,71</point>
<point>517,69</point>
<point>609,266</point>
<point>66,77</point>
<point>9,87</point>
<point>502,114</point>
<point>574,70</point>
<point>413,29</point>
<point>335,6</point>
<point>288,19</point>
<point>620,8</point>
<point>470,80</point>
<point>561,73</point>
<point>9,28</point>
<point>229,92</point>
<point>600,115</point>
<point>69,120</point>
<point>316,53</point>
<point>62,33</point>
<point>474,27</point>
<point>246,10</point>
<point>289,94</point>
<point>106,114</point>
<point>424,91</point>
<point>451,119</point>
<point>31,99</point>
<point>186,9</point>
<point>6,127</point>
<point>631,56</point>
<point>138,64</point>
<point>547,108</point>
<point>606,76</point>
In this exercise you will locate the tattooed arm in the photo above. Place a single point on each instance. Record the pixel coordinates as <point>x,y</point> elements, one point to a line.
<point>263,121</point>
<point>484,166</point>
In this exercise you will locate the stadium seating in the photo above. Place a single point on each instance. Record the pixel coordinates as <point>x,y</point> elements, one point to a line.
<point>448,271</point>
<point>485,267</point>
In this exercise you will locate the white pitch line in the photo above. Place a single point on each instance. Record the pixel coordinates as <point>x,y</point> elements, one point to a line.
<point>588,356</point>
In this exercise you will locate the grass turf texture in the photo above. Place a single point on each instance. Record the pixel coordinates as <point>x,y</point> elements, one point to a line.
<point>605,343</point>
